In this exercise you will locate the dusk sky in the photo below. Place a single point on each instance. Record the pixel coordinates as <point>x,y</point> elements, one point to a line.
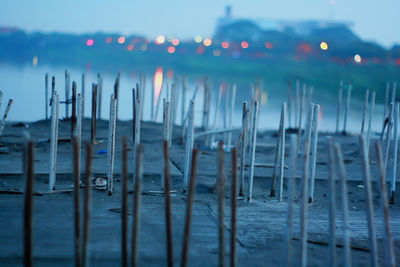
<point>374,20</point>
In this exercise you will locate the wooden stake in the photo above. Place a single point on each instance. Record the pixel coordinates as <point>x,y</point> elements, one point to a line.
<point>87,207</point>
<point>345,206</point>
<point>221,204</point>
<point>287,253</point>
<point>389,250</point>
<point>46,95</point>
<point>94,116</point>
<point>53,140</point>
<point>332,205</point>
<point>77,181</point>
<point>243,142</point>
<point>365,110</point>
<point>369,200</point>
<point>394,149</point>
<point>233,208</point>
<point>232,110</point>
<point>124,204</point>
<point>188,218</point>
<point>28,203</point>
<point>347,108</point>
<point>282,151</point>
<point>253,151</point>
<point>339,107</point>
<point>188,145</point>
<point>168,212</point>
<point>100,94</point>
<point>83,93</point>
<point>111,144</point>
<point>73,116</point>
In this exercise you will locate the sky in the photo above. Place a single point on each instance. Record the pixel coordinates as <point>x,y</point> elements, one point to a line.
<point>373,20</point>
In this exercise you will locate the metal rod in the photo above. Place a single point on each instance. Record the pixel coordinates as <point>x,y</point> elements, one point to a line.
<point>67,85</point>
<point>339,107</point>
<point>73,116</point>
<point>253,151</point>
<point>168,212</point>
<point>364,110</point>
<point>111,144</point>
<point>221,205</point>
<point>100,95</point>
<point>232,110</point>
<point>282,151</point>
<point>94,116</point>
<point>277,154</point>
<point>245,119</point>
<point>46,95</point>
<point>87,207</point>
<point>303,96</point>
<point>165,131</point>
<point>347,108</point>
<point>83,93</point>
<point>371,115</point>
<point>28,203</point>
<point>314,147</point>
<point>53,140</point>
<point>188,217</point>
<point>6,112</point>
<point>188,145</point>
<point>394,149</point>
<point>124,203</point>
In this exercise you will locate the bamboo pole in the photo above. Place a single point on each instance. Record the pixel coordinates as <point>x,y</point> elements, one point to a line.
<point>168,212</point>
<point>287,251</point>
<point>389,250</point>
<point>124,203</point>
<point>243,142</point>
<point>364,110</point>
<point>53,140</point>
<point>345,206</point>
<point>28,202</point>
<point>77,180</point>
<point>253,151</point>
<point>221,205</point>
<point>87,207</point>
<point>369,201</point>
<point>339,106</point>
<point>188,217</point>
<point>233,208</point>
<point>314,144</point>
<point>347,108</point>
<point>137,198</point>
<point>332,205</point>
<point>111,144</point>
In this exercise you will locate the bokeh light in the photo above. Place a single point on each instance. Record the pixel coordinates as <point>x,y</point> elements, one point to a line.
<point>108,40</point>
<point>323,46</point>
<point>171,49</point>
<point>89,42</point>
<point>225,45</point>
<point>160,39</point>
<point>244,44</point>
<point>207,42</point>
<point>129,47</point>
<point>198,39</point>
<point>175,41</point>
<point>268,45</point>
<point>357,58</point>
<point>121,40</point>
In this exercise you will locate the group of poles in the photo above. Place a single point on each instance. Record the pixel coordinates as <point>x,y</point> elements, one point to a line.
<point>303,144</point>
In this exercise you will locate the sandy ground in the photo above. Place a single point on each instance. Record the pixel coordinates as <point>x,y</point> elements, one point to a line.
<point>261,224</point>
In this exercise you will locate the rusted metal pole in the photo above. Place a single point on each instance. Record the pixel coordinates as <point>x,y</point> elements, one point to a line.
<point>168,212</point>
<point>189,206</point>
<point>87,207</point>
<point>124,203</point>
<point>137,203</point>
<point>83,93</point>
<point>314,144</point>
<point>28,203</point>
<point>221,205</point>
<point>282,151</point>
<point>233,208</point>
<point>3,121</point>
<point>189,145</point>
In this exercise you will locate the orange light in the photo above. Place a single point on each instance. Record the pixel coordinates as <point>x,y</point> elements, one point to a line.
<point>268,45</point>
<point>244,44</point>
<point>108,40</point>
<point>171,49</point>
<point>357,58</point>
<point>160,39</point>
<point>225,45</point>
<point>207,42</point>
<point>158,81</point>
<point>323,46</point>
<point>175,42</point>
<point>89,42</point>
<point>129,47</point>
<point>121,40</point>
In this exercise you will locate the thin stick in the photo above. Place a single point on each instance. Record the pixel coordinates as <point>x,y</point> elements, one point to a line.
<point>53,141</point>
<point>389,251</point>
<point>46,95</point>
<point>77,179</point>
<point>183,99</point>
<point>28,204</point>
<point>83,93</point>
<point>314,150</point>
<point>100,95</point>
<point>395,147</point>
<point>371,115</point>
<point>188,218</point>
<point>133,115</point>
<point>233,208</point>
<point>368,195</point>
<point>364,110</point>
<point>287,253</point>
<point>73,116</point>
<point>388,136</point>
<point>289,93</point>
<point>282,151</point>
<point>253,151</point>
<point>87,207</point>
<point>152,98</point>
<point>111,144</point>
<point>188,145</point>
<point>345,206</point>
<point>3,121</point>
<point>168,212</point>
<point>233,100</point>
<point>332,205</point>
<point>221,204</point>
<point>303,97</point>
<point>94,116</point>
<point>347,108</point>
<point>159,100</point>
<point>137,198</point>
<point>297,104</point>
<point>124,204</point>
<point>339,107</point>
<point>276,158</point>
<point>394,92</point>
<point>245,119</point>
<point>385,107</point>
<point>172,113</point>
<point>67,77</point>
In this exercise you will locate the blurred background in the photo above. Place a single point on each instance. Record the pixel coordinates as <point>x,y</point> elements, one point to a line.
<point>268,44</point>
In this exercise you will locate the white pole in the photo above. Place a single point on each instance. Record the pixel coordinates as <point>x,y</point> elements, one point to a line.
<point>3,121</point>
<point>111,144</point>
<point>253,150</point>
<point>314,144</point>
<point>282,151</point>
<point>53,140</point>
<point>189,146</point>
